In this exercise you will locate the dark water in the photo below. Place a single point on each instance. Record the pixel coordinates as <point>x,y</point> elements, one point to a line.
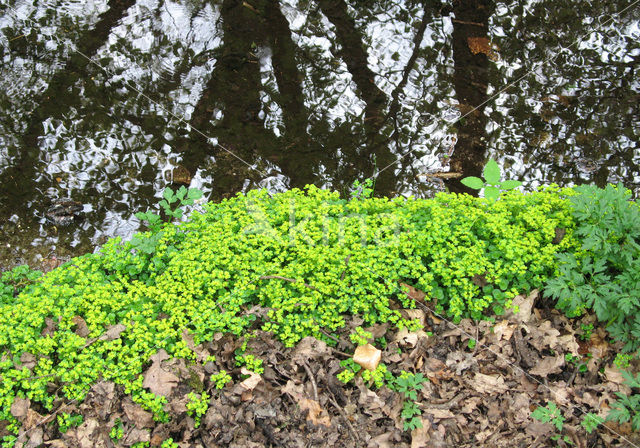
<point>108,102</point>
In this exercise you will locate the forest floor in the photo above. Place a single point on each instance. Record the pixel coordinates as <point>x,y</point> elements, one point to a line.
<point>477,395</point>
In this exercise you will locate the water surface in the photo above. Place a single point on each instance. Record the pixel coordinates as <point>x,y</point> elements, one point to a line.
<point>108,102</point>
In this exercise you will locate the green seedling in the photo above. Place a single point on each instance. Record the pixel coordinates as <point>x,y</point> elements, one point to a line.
<point>492,185</point>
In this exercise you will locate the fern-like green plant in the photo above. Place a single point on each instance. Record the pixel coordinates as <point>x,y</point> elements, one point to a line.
<point>605,274</point>
<point>627,407</point>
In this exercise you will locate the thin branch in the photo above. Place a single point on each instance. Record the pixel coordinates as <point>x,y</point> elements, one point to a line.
<point>352,431</point>
<point>312,379</point>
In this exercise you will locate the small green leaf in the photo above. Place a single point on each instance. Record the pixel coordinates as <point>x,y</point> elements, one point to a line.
<point>473,182</point>
<point>181,193</point>
<point>491,193</point>
<point>194,193</point>
<point>509,184</point>
<point>491,172</point>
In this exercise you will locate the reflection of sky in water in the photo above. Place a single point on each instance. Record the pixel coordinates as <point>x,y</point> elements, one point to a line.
<point>338,99</point>
<point>569,81</point>
<point>540,130</point>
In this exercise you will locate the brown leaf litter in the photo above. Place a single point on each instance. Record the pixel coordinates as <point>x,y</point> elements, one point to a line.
<point>475,397</point>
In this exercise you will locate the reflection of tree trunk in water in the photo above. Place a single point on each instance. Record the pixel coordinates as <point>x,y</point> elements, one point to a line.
<point>354,55</point>
<point>19,179</point>
<point>298,154</point>
<point>470,81</point>
<point>234,88</point>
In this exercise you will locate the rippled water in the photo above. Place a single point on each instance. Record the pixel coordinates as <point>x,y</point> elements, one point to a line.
<point>108,102</point>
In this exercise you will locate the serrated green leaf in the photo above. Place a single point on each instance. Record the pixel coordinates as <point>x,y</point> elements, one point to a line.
<point>472,182</point>
<point>491,172</point>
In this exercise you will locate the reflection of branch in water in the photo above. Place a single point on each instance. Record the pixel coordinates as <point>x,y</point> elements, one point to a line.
<point>417,40</point>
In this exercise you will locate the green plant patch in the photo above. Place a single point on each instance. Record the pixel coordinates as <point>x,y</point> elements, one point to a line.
<point>309,257</point>
<point>604,276</point>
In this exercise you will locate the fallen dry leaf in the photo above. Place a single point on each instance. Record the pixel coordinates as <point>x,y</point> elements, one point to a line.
<point>27,360</point>
<point>310,348</point>
<point>405,338</point>
<point>81,326</point>
<point>382,441</point>
<point>543,336</point>
<point>488,384</point>
<point>317,415</point>
<point>50,327</point>
<point>19,407</point>
<point>250,383</point>
<point>439,413</point>
<point>112,333</point>
<point>611,372</point>
<point>420,436</point>
<point>293,389</point>
<point>139,417</point>
<point>503,330</point>
<point>367,356</point>
<point>136,435</point>
<point>461,361</point>
<point>201,354</point>
<point>413,293</point>
<point>416,314</point>
<point>548,365</point>
<point>85,433</point>
<point>156,379</point>
<point>524,304</point>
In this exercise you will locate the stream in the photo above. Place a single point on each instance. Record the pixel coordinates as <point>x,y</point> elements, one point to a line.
<point>107,102</point>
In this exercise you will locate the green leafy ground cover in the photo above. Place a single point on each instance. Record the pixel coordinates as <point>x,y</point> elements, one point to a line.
<point>307,259</point>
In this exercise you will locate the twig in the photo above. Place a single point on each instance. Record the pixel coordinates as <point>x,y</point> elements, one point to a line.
<point>338,352</point>
<point>352,431</point>
<point>447,404</point>
<point>573,376</point>
<point>346,265</point>
<point>49,417</point>
<point>475,347</point>
<point>313,380</point>
<point>464,22</point>
<point>290,280</point>
<point>330,336</point>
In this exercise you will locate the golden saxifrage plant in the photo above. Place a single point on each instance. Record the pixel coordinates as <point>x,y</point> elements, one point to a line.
<point>309,256</point>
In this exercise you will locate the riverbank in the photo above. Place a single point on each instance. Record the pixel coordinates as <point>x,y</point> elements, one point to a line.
<point>163,319</point>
